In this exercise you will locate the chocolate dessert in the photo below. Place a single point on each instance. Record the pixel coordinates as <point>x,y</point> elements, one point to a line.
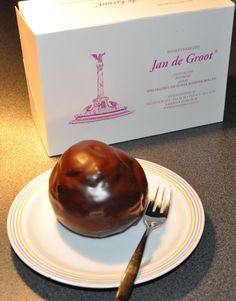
<point>97,190</point>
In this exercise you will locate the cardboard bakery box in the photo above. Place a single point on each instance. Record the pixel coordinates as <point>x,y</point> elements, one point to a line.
<point>122,70</point>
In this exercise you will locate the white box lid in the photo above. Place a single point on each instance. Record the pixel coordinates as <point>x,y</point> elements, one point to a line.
<point>47,16</point>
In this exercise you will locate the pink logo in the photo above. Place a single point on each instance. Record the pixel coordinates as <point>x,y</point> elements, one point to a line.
<point>101,108</point>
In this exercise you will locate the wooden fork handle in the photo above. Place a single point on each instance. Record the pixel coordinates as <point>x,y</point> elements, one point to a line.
<point>127,282</point>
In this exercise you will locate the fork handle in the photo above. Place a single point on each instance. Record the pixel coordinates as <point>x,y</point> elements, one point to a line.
<point>127,281</point>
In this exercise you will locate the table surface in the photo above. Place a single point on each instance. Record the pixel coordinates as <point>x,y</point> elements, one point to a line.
<point>204,156</point>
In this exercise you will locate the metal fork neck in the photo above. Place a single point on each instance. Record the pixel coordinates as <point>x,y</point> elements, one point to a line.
<point>132,269</point>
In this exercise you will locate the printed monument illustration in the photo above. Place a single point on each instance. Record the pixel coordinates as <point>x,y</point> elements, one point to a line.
<point>101,108</point>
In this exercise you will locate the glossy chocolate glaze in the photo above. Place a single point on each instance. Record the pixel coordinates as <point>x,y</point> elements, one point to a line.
<point>97,190</point>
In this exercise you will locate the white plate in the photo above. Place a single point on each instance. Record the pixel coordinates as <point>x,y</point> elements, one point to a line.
<point>51,250</point>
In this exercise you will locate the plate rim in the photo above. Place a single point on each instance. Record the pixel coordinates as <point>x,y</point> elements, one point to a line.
<point>110,283</point>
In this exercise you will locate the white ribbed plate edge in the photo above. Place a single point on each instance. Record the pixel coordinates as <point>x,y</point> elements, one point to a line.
<point>51,250</point>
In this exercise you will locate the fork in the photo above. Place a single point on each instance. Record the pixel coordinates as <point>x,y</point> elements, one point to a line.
<point>155,215</point>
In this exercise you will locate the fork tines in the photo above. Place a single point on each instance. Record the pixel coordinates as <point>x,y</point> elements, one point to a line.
<point>161,201</point>
<point>166,204</point>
